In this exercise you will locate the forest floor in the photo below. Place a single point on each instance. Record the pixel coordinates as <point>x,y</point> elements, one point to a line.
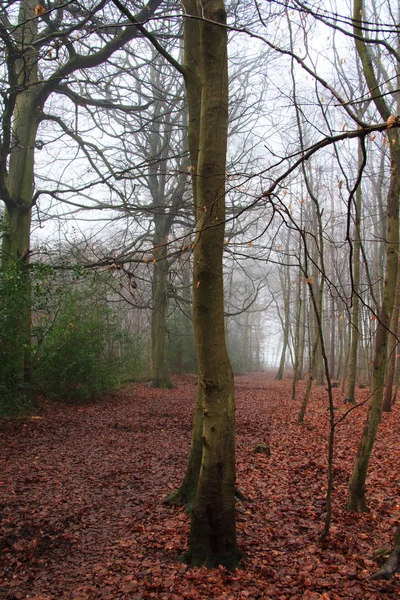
<point>81,490</point>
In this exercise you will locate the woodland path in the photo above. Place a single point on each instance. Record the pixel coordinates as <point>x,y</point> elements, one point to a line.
<point>81,489</point>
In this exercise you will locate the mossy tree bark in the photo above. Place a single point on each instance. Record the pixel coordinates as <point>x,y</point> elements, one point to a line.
<point>357,499</point>
<point>19,135</point>
<point>213,523</point>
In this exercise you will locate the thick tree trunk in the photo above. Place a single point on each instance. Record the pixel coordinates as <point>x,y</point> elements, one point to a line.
<point>16,235</point>
<point>213,523</point>
<point>17,192</point>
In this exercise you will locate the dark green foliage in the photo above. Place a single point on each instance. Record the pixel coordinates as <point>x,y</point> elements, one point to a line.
<point>83,351</point>
<point>180,348</point>
<point>14,391</point>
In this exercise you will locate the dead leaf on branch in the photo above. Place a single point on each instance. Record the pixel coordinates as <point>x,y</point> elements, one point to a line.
<point>390,121</point>
<point>39,10</point>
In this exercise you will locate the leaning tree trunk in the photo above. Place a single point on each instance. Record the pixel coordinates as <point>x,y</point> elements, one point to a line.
<point>213,523</point>
<point>357,500</point>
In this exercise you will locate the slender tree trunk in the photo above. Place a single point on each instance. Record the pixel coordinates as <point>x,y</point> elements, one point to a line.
<point>306,398</point>
<point>159,370</point>
<point>332,355</point>
<point>285,284</point>
<point>297,340</point>
<point>355,317</point>
<point>392,345</point>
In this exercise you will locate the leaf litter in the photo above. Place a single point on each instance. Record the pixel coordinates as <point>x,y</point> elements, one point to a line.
<point>81,490</point>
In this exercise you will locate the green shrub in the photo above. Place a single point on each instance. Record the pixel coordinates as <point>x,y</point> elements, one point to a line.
<point>180,347</point>
<point>14,393</point>
<point>82,350</point>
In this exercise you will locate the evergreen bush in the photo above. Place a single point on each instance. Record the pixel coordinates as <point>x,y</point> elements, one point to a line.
<point>83,351</point>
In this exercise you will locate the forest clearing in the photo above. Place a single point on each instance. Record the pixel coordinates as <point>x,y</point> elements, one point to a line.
<point>82,487</point>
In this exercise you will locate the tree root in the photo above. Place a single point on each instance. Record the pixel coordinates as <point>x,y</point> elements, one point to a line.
<point>389,568</point>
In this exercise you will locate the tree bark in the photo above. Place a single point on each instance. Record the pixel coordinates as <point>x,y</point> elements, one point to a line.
<point>391,365</point>
<point>159,370</point>
<point>357,500</point>
<point>186,493</point>
<point>213,522</point>
<point>18,187</point>
<point>355,317</point>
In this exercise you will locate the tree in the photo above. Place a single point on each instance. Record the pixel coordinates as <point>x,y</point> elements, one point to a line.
<point>213,528</point>
<point>41,51</point>
<point>357,500</point>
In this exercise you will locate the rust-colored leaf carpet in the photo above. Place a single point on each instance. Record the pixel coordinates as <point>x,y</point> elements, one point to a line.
<point>81,490</point>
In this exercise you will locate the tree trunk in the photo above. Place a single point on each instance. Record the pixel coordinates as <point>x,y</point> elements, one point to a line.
<point>286,287</point>
<point>357,500</point>
<point>313,350</point>
<point>213,523</point>
<point>18,187</point>
<point>159,370</point>
<point>392,345</point>
<point>355,317</point>
<point>186,493</point>
<point>298,351</point>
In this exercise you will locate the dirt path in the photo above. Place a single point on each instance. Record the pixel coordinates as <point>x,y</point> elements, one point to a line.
<point>81,516</point>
